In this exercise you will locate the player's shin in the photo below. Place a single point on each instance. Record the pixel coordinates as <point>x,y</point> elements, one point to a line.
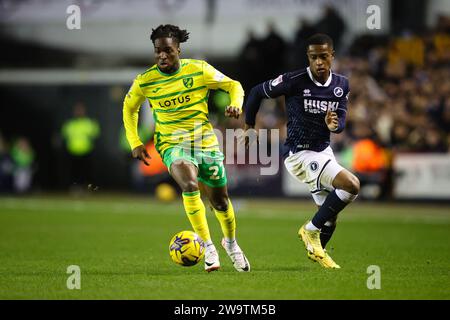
<point>327,232</point>
<point>229,243</point>
<point>335,202</point>
<point>227,222</point>
<point>196,212</point>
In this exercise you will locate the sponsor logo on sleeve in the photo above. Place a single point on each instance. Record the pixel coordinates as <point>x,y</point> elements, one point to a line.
<point>276,81</point>
<point>218,76</point>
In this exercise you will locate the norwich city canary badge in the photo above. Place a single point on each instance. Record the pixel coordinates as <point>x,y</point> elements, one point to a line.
<point>188,82</point>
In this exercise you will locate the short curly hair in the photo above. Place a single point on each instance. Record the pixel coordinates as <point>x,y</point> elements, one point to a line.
<point>169,31</point>
<point>320,39</point>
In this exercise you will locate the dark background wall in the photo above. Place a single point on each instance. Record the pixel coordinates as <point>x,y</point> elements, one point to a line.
<point>413,21</point>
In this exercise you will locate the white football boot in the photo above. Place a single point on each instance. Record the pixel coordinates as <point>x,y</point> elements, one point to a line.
<point>237,256</point>
<point>212,262</point>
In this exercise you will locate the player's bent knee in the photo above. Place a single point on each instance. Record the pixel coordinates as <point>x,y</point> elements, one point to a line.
<point>354,185</point>
<point>189,186</point>
<point>346,181</point>
<point>351,185</point>
<point>346,196</point>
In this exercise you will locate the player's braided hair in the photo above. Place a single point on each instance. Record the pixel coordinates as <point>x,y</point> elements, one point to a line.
<point>320,38</point>
<point>169,31</point>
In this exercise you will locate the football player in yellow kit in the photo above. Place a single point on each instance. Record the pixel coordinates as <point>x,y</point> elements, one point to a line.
<point>178,90</point>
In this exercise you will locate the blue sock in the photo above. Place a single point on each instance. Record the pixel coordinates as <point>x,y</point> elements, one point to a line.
<point>329,209</point>
<point>325,234</point>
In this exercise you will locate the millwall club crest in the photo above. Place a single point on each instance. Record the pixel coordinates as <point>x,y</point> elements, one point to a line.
<point>338,92</point>
<point>314,166</point>
<point>188,82</point>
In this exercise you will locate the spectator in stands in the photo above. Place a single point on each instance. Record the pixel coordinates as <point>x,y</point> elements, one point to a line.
<point>250,61</point>
<point>305,30</point>
<point>6,168</point>
<point>22,155</point>
<point>332,24</point>
<point>274,49</point>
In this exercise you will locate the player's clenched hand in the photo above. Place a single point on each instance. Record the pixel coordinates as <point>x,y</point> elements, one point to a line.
<point>331,119</point>
<point>232,112</point>
<point>248,137</point>
<point>141,153</point>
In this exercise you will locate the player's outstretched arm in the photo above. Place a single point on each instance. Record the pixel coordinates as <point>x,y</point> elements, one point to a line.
<point>130,114</point>
<point>252,105</point>
<point>267,90</point>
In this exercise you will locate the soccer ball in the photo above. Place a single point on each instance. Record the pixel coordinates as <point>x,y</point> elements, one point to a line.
<point>186,248</point>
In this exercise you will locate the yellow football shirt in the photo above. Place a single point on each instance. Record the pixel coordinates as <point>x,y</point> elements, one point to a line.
<point>179,104</point>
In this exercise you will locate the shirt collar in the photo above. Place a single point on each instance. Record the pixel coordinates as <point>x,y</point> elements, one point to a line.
<point>317,83</point>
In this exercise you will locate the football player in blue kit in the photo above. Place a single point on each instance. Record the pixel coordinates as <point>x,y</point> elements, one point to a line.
<point>316,105</point>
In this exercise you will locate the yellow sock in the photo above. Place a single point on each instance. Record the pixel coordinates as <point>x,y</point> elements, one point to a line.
<point>227,221</point>
<point>195,210</point>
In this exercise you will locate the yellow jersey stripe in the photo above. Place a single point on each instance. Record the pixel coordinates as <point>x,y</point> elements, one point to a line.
<point>189,146</point>
<point>179,120</point>
<point>203,137</point>
<point>159,144</point>
<point>195,74</point>
<point>185,132</point>
<point>176,93</point>
<point>198,137</point>
<point>190,135</point>
<point>213,148</point>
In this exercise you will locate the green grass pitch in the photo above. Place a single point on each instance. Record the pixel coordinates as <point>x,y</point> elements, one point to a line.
<point>120,244</point>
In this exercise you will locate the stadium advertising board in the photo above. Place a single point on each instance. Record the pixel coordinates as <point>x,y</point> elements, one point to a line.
<point>422,176</point>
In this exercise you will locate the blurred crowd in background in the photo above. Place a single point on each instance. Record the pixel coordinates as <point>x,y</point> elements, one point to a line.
<point>400,93</point>
<point>16,165</point>
<point>399,101</point>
